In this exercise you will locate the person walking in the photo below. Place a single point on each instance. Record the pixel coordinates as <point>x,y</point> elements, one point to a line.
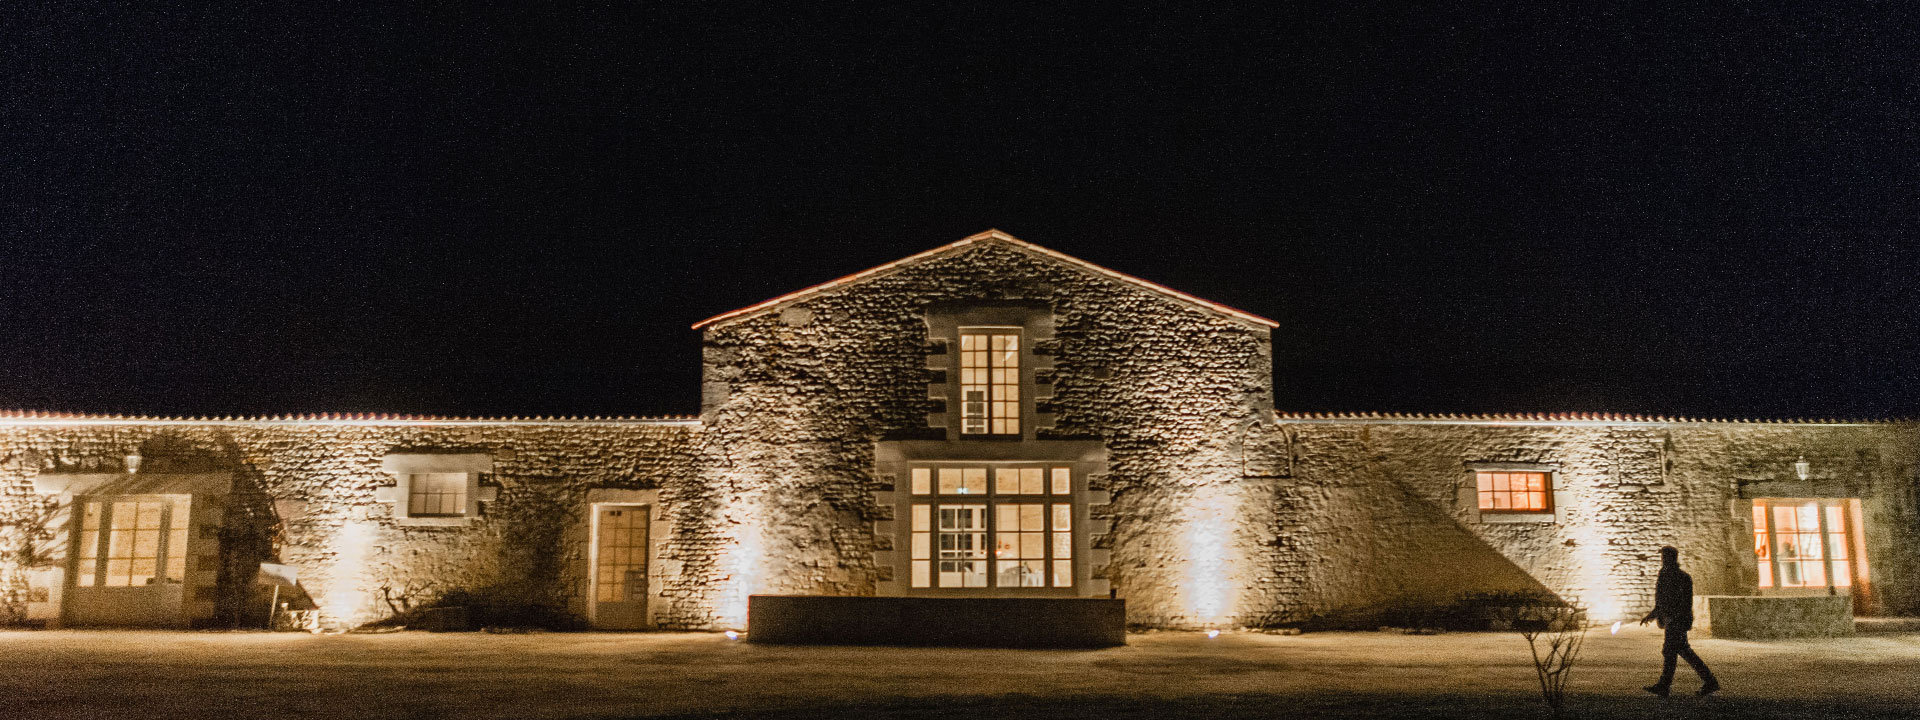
<point>1673,608</point>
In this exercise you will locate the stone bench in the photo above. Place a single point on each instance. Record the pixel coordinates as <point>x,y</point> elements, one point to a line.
<point>956,622</point>
<point>1751,617</point>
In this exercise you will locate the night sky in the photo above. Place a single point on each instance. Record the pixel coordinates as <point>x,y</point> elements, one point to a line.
<point>325,209</point>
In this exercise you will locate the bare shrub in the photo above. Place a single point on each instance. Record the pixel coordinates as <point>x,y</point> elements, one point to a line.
<point>1554,631</point>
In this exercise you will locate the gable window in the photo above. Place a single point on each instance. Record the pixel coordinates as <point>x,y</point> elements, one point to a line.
<point>1514,492</point>
<point>437,495</point>
<point>131,541</point>
<point>990,381</point>
<point>1013,532</point>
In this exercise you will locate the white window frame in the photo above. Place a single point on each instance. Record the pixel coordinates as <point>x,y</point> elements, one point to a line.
<point>405,466</point>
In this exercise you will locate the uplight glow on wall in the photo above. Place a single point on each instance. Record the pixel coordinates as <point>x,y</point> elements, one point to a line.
<point>1213,566</point>
<point>744,562</point>
<point>348,598</point>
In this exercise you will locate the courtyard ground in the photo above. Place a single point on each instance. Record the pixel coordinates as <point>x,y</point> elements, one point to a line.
<point>479,676</point>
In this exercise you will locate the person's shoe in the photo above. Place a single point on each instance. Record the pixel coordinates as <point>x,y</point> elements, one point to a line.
<point>1709,689</point>
<point>1660,690</point>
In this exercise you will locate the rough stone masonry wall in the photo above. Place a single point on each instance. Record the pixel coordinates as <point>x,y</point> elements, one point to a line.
<point>796,397</point>
<point>1377,511</point>
<point>311,488</point>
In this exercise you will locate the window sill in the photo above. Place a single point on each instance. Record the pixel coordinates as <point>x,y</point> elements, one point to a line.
<point>1516,517</point>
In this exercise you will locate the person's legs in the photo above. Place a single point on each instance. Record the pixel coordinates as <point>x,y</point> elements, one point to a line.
<point>1676,642</point>
<point>1707,682</point>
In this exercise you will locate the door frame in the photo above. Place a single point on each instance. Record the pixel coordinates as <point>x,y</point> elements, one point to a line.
<point>657,530</point>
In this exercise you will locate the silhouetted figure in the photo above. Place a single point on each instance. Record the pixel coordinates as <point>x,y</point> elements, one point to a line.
<point>1673,608</point>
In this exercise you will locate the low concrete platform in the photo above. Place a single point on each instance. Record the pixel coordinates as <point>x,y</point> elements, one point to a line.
<point>943,622</point>
<point>1746,617</point>
<point>1886,625</point>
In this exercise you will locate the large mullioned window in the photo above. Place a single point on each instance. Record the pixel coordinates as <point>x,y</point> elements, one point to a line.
<point>992,527</point>
<point>1807,543</point>
<point>989,381</point>
<point>132,541</point>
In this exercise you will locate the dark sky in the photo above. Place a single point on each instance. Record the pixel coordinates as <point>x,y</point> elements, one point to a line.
<point>333,209</point>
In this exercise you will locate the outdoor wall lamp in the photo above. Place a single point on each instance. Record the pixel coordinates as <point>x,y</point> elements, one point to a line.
<point>133,463</point>
<point>1802,468</point>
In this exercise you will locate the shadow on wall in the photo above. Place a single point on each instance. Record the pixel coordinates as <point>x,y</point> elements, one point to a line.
<point>1393,558</point>
<point>520,579</point>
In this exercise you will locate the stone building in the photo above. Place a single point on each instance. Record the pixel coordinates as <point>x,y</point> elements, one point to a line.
<point>986,419</point>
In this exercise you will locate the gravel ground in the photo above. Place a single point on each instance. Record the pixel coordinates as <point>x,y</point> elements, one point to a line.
<point>477,676</point>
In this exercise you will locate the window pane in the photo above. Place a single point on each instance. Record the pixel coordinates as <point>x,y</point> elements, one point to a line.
<point>91,521</point>
<point>150,516</point>
<point>1006,481</point>
<point>1062,545</point>
<point>1062,481</point>
<point>1007,517</point>
<point>1814,572</point>
<point>922,518</point>
<point>1031,517</point>
<point>922,481</point>
<point>117,569</point>
<point>1842,574</point>
<point>1031,482</point>
<point>1062,516</point>
<point>974,481</point>
<point>922,573</point>
<point>949,481</point>
<point>1486,484</point>
<point>922,546</point>
<point>146,543</point>
<point>1783,519</point>
<point>1063,573</point>
<point>1766,574</point>
<point>89,547</point>
<point>1032,545</point>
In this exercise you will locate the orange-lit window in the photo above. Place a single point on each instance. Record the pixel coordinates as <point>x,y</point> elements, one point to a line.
<point>1806,543</point>
<point>1514,492</point>
<point>132,541</point>
<point>1023,516</point>
<point>989,382</point>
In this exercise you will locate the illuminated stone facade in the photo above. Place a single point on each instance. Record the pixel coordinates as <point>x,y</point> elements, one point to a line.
<point>1189,496</point>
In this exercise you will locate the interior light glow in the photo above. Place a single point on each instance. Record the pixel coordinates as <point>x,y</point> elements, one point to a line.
<point>734,635</point>
<point>1213,634</point>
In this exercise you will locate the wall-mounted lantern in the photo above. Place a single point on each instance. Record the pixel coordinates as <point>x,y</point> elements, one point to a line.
<point>1802,468</point>
<point>133,463</point>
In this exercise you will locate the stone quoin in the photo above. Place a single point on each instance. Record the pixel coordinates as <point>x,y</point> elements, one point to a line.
<point>988,419</point>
